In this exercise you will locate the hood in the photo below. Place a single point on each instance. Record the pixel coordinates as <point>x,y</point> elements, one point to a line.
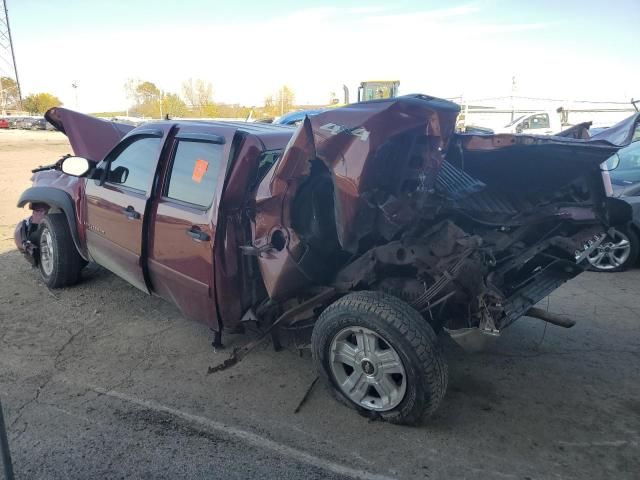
<point>90,137</point>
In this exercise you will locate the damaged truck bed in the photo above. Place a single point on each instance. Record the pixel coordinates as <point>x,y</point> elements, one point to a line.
<point>375,225</point>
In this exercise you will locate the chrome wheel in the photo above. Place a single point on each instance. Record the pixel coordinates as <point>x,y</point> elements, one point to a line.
<point>367,369</point>
<point>46,251</point>
<point>612,253</point>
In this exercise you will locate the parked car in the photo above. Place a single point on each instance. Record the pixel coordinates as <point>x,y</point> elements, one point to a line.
<point>13,121</point>
<point>26,123</point>
<point>4,123</point>
<point>295,118</point>
<point>620,249</point>
<point>41,124</point>
<point>375,224</point>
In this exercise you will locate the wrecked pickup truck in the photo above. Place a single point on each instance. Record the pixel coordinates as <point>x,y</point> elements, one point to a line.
<point>374,224</point>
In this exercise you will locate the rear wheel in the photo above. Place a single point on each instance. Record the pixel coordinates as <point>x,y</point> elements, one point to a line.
<point>378,355</point>
<point>617,252</point>
<point>60,263</point>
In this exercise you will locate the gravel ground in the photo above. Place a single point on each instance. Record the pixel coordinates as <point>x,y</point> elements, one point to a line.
<point>101,381</point>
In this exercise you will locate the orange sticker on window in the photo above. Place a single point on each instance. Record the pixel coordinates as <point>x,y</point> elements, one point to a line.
<point>199,169</point>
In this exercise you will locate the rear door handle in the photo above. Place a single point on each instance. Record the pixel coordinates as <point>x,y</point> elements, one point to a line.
<point>131,213</point>
<point>197,234</point>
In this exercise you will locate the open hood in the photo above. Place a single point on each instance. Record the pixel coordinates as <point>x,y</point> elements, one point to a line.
<point>90,137</point>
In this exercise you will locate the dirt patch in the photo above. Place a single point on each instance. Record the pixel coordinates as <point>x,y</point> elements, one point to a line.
<point>541,403</point>
<point>21,151</point>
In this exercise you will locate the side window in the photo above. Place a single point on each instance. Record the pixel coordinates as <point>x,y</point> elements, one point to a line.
<point>194,172</point>
<point>267,161</point>
<point>540,121</point>
<point>134,166</point>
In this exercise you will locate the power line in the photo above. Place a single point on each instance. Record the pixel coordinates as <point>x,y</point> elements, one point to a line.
<point>516,97</point>
<point>8,66</point>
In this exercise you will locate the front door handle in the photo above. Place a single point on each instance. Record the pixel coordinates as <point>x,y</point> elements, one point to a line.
<point>197,234</point>
<point>131,213</point>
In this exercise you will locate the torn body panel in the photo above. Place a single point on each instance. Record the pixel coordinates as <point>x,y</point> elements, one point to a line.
<point>322,195</point>
<point>471,230</point>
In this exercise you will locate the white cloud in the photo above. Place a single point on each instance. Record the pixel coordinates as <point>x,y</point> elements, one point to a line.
<point>423,16</point>
<point>444,52</point>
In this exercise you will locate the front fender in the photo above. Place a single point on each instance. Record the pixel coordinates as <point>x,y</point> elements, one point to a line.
<point>55,198</point>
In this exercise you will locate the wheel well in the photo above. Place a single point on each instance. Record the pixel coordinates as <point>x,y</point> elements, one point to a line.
<point>313,215</point>
<point>635,227</point>
<point>313,218</point>
<point>57,201</point>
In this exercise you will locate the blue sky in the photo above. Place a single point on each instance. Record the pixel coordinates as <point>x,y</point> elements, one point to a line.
<point>248,48</point>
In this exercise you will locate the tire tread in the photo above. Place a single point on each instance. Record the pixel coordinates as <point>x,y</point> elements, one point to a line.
<point>406,322</point>
<point>67,260</point>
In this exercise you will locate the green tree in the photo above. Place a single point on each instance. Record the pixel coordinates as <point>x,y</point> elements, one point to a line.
<point>225,110</point>
<point>280,103</point>
<point>146,98</point>
<point>9,94</point>
<point>40,102</point>
<point>146,92</point>
<point>173,105</point>
<point>199,96</point>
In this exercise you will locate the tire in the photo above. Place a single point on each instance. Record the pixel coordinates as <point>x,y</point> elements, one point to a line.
<point>380,320</point>
<point>59,261</point>
<point>608,258</point>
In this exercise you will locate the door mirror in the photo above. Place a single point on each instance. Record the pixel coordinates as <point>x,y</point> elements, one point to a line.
<point>611,164</point>
<point>118,175</point>
<point>526,126</point>
<point>76,166</point>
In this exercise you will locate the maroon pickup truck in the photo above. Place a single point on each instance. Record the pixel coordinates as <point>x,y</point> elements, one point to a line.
<point>374,224</point>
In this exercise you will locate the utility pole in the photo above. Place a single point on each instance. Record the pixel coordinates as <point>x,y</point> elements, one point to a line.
<point>514,87</point>
<point>7,56</point>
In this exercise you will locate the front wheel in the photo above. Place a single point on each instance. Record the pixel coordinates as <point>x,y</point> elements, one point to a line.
<point>59,262</point>
<point>378,355</point>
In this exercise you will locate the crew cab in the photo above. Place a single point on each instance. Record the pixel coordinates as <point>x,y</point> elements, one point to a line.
<point>373,224</point>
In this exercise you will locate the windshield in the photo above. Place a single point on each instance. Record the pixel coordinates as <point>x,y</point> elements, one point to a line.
<point>628,170</point>
<point>515,121</point>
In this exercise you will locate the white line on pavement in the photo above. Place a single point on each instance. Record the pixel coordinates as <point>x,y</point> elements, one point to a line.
<point>243,435</point>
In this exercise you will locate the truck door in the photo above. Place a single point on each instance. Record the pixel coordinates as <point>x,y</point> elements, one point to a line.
<point>182,229</point>
<point>116,205</point>
<point>537,124</point>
